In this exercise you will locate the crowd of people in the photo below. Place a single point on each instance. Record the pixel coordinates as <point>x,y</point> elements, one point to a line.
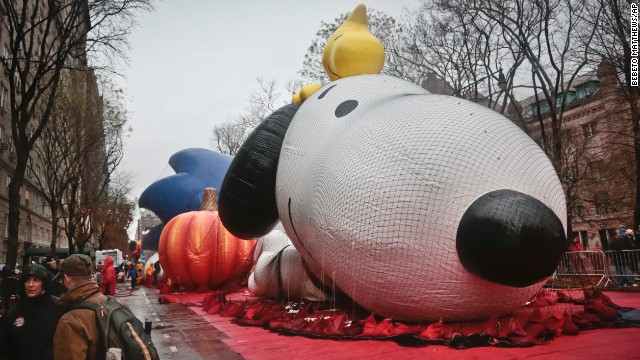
<point>39,321</point>
<point>622,254</point>
<point>624,246</point>
<point>109,274</point>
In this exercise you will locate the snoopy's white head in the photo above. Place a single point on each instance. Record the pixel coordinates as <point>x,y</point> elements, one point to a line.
<point>417,206</point>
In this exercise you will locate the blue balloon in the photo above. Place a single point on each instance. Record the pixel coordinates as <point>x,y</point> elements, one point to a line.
<point>151,239</point>
<point>196,169</point>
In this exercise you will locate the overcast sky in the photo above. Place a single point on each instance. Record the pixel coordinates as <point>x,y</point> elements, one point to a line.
<point>193,64</point>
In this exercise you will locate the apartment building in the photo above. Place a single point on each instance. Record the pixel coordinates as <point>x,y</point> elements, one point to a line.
<point>146,222</point>
<point>598,167</point>
<point>598,163</point>
<point>35,231</point>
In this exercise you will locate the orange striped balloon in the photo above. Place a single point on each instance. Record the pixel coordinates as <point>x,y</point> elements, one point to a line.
<point>195,249</point>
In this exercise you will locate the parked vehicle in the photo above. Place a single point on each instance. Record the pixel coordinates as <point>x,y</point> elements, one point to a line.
<point>115,254</point>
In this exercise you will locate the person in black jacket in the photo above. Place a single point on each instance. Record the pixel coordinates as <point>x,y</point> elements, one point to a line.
<point>26,332</point>
<point>54,288</point>
<point>8,288</point>
<point>622,258</point>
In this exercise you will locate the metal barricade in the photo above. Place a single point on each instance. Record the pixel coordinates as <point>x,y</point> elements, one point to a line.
<point>591,265</point>
<point>623,266</point>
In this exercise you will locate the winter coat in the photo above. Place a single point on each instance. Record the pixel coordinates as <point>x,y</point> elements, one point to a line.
<point>55,288</point>
<point>133,273</point>
<point>77,336</point>
<point>619,243</point>
<point>26,332</point>
<point>108,276</point>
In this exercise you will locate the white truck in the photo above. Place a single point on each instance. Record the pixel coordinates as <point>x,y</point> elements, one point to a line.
<point>115,254</point>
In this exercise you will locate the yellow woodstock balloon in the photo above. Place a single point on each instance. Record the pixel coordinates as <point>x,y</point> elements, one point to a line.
<point>351,49</point>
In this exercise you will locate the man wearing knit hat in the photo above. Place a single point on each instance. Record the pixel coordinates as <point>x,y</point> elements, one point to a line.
<point>77,335</point>
<point>622,258</point>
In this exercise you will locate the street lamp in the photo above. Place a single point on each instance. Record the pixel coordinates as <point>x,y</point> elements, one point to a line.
<point>502,80</point>
<point>502,83</point>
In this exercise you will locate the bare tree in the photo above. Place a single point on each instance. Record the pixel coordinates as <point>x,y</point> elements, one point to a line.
<point>381,25</point>
<point>261,102</point>
<point>228,137</point>
<point>539,37</point>
<point>78,150</point>
<point>448,50</point>
<point>56,148</point>
<point>612,46</point>
<point>46,37</point>
<point>546,34</point>
<point>101,148</point>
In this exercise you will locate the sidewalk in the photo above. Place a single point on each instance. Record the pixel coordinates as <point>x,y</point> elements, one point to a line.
<point>178,333</point>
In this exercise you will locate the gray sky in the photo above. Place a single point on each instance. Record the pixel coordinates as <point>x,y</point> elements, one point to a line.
<point>193,64</point>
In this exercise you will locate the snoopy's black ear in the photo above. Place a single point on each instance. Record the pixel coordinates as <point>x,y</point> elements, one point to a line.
<point>247,199</point>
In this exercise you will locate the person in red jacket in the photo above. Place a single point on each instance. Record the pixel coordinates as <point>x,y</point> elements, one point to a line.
<point>576,260</point>
<point>108,283</point>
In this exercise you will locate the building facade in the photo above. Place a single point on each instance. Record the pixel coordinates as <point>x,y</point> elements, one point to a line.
<point>35,230</point>
<point>147,221</point>
<point>598,166</point>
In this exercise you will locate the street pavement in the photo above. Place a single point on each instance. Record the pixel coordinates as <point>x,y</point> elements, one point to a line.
<point>177,332</point>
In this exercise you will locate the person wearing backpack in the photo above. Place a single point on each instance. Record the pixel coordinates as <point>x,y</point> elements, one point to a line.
<point>77,335</point>
<point>96,326</point>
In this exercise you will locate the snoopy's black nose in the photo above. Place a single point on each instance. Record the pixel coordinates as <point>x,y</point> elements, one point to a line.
<point>510,238</point>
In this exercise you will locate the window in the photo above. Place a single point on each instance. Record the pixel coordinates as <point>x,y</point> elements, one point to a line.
<point>604,205</point>
<point>595,167</point>
<point>3,96</point>
<point>587,89</point>
<point>18,83</point>
<point>589,129</point>
<point>572,175</point>
<point>27,198</point>
<point>544,107</point>
<point>566,134</point>
<point>571,95</point>
<point>579,210</point>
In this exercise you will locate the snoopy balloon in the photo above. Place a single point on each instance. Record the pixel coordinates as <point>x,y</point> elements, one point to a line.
<point>417,206</point>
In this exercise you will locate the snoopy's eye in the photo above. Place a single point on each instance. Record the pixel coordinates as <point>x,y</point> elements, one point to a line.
<point>346,107</point>
<point>325,92</point>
